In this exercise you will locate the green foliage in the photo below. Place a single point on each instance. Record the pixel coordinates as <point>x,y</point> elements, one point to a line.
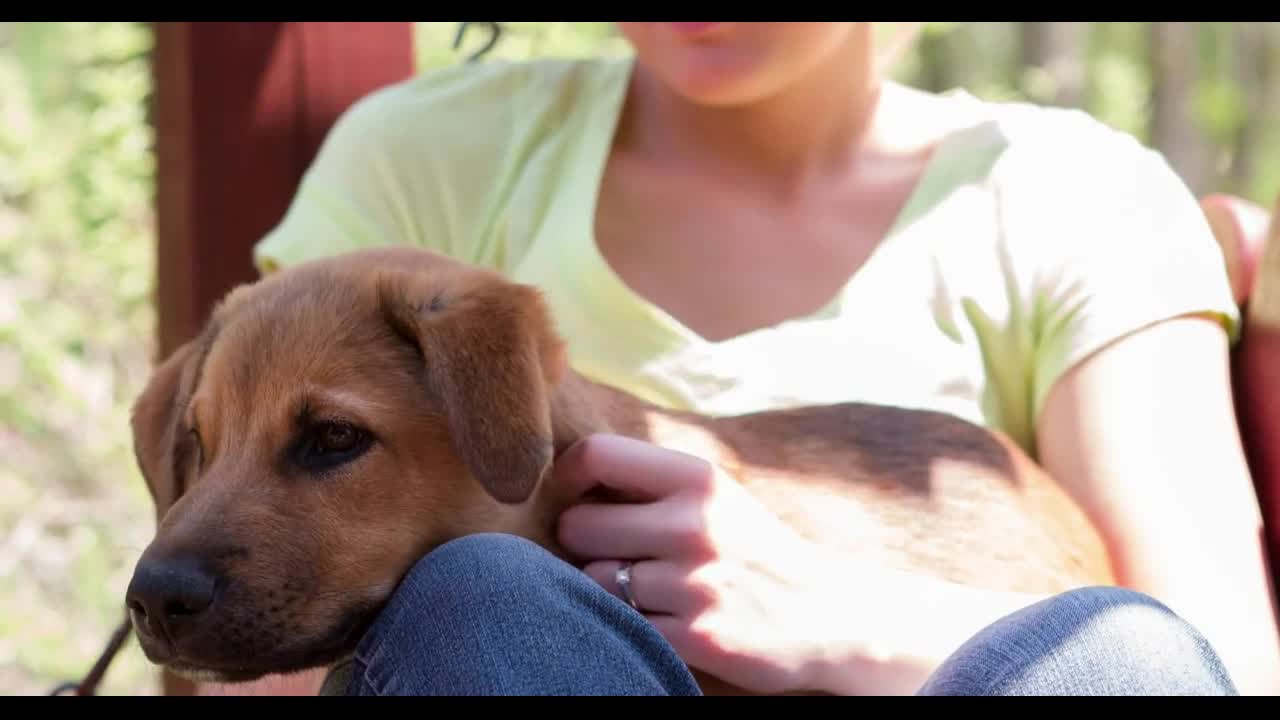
<point>1119,92</point>
<point>1115,60</point>
<point>76,244</point>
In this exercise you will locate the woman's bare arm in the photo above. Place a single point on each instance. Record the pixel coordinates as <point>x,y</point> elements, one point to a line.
<point>1144,434</point>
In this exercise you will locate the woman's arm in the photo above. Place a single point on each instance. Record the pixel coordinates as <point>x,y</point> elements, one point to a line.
<point>1143,433</point>
<point>1144,436</point>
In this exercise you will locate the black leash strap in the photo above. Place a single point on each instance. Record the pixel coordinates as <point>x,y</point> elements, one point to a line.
<point>90,683</point>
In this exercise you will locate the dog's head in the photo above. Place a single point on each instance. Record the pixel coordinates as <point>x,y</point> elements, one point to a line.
<point>331,424</point>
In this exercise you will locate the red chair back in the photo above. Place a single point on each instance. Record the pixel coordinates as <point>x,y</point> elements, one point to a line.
<point>1250,240</point>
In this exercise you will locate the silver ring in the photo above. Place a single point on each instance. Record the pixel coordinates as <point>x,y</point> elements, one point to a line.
<point>623,578</point>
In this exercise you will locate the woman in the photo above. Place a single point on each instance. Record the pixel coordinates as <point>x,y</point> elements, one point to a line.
<point>746,216</point>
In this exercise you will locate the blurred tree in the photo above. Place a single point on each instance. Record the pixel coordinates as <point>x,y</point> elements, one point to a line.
<point>1053,61</point>
<point>75,342</point>
<point>937,71</point>
<point>1256,73</point>
<point>1174,128</point>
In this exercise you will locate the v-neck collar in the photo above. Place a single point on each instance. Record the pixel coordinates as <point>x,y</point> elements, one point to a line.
<point>603,282</point>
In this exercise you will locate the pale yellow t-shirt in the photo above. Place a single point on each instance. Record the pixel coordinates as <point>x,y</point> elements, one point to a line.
<point>1037,236</point>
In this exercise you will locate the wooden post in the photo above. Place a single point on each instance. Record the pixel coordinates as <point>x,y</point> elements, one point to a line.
<point>240,109</point>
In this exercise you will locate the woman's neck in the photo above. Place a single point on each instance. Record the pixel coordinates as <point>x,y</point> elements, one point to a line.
<point>819,122</point>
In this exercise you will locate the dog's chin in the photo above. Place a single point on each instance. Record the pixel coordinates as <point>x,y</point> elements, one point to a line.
<point>205,672</point>
<point>207,675</point>
<point>335,644</point>
<point>224,673</point>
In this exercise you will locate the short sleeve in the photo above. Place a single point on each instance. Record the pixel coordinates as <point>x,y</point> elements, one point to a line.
<point>414,163</point>
<point>1116,242</point>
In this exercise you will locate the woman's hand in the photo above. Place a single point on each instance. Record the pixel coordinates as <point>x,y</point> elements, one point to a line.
<point>736,591</point>
<point>742,596</point>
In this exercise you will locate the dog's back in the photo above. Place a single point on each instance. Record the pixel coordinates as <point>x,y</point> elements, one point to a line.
<point>923,491</point>
<point>919,490</point>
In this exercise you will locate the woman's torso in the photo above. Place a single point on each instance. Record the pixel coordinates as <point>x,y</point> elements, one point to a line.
<point>970,299</point>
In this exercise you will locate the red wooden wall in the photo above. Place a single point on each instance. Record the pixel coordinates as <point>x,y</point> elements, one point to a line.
<point>240,109</point>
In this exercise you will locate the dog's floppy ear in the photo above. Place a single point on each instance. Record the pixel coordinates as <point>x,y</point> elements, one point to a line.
<point>492,359</point>
<point>154,421</point>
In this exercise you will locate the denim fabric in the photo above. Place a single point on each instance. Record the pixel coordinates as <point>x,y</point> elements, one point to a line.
<point>1092,641</point>
<point>497,615</point>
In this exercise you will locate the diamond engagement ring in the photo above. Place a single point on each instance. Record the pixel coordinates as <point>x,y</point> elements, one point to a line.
<point>623,578</point>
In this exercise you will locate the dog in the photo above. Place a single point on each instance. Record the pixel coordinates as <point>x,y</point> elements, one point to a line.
<point>337,420</point>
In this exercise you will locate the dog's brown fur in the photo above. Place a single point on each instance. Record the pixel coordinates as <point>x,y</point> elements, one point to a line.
<point>464,386</point>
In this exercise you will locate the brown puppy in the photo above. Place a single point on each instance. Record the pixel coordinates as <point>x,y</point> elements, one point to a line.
<point>337,420</point>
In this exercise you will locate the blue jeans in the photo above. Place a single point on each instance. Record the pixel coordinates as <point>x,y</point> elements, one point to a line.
<point>498,615</point>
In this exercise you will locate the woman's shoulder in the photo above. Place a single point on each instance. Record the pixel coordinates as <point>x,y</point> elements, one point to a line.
<point>493,100</point>
<point>1058,171</point>
<point>433,160</point>
<point>1024,136</point>
<point>1040,165</point>
<point>1095,235</point>
<point>1068,156</point>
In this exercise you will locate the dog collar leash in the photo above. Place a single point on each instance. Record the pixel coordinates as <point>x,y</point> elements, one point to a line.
<point>89,685</point>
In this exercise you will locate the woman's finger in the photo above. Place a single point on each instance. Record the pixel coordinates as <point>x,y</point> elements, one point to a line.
<point>633,531</point>
<point>658,587</point>
<point>629,467</point>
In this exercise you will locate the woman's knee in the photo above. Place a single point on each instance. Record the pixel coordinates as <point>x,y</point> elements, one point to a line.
<point>498,614</point>
<point>454,604</point>
<point>1132,630</point>
<point>486,561</point>
<point>1089,641</point>
<point>475,576</point>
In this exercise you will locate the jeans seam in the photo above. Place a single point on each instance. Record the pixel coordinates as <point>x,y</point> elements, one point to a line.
<point>366,674</point>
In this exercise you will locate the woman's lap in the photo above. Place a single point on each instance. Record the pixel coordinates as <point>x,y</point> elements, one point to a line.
<point>1091,641</point>
<point>497,615</point>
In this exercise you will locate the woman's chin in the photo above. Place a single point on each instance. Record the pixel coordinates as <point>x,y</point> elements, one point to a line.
<point>717,82</point>
<point>696,30</point>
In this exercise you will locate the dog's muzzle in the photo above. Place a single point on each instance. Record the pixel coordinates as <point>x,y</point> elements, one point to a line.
<point>168,596</point>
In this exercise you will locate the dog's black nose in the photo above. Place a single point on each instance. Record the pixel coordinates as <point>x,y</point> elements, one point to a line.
<point>166,594</point>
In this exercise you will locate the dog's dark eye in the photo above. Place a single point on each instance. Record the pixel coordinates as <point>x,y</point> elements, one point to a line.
<point>326,445</point>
